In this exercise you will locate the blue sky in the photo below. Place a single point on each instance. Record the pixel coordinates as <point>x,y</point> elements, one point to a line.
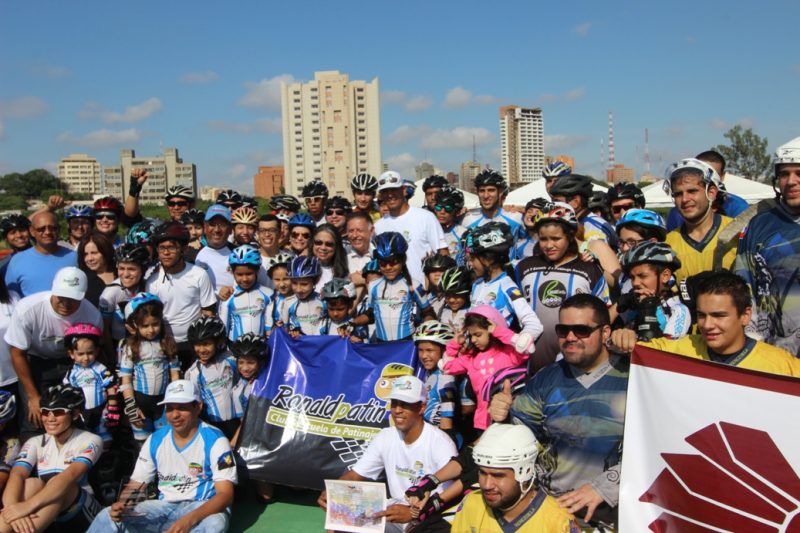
<point>204,77</point>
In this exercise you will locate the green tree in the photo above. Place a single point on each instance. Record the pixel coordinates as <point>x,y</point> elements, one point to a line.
<point>747,155</point>
<point>31,184</point>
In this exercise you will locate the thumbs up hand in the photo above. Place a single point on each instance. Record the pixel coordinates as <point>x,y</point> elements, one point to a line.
<point>501,403</point>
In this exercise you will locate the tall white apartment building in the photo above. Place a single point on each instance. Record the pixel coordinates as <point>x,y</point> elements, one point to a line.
<point>331,131</point>
<point>164,171</point>
<point>521,144</point>
<point>80,173</point>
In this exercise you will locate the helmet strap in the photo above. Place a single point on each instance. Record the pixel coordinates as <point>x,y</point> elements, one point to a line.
<point>523,493</point>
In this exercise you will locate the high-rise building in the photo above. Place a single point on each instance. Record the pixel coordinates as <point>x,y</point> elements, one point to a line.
<point>80,173</point>
<point>619,173</point>
<point>469,169</point>
<point>331,131</point>
<point>521,144</point>
<point>424,170</point>
<point>268,181</point>
<point>452,179</point>
<point>163,171</point>
<point>566,159</point>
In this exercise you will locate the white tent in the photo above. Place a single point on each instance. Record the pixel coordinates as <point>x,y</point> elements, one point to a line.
<point>750,190</point>
<point>418,200</point>
<point>535,189</point>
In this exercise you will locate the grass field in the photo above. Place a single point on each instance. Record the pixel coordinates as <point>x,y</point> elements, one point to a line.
<point>294,511</point>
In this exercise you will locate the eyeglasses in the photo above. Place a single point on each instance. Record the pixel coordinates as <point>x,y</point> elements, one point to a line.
<point>106,216</point>
<point>620,208</point>
<point>389,262</point>
<point>299,235</point>
<point>54,412</point>
<point>42,229</point>
<point>177,204</point>
<point>268,230</point>
<point>337,212</point>
<point>630,243</point>
<point>328,244</point>
<point>448,208</point>
<point>580,330</point>
<point>169,249</point>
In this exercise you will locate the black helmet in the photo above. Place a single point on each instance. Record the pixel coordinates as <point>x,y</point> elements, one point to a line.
<point>538,203</point>
<point>133,253</point>
<point>62,397</point>
<point>205,328</point>
<point>13,221</point>
<point>651,253</point>
<point>491,237</point>
<point>171,231</point>
<point>229,196</point>
<point>625,191</point>
<point>599,200</point>
<point>314,188</point>
<point>438,262</point>
<point>339,202</point>
<point>433,182</point>
<point>456,280</point>
<point>364,182</point>
<point>285,201</point>
<point>573,185</point>
<point>249,345</point>
<point>179,191</point>
<point>491,177</point>
<point>450,196</point>
<point>249,201</point>
<point>193,216</point>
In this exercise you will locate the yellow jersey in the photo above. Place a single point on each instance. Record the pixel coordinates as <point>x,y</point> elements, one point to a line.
<point>756,355</point>
<point>543,515</point>
<point>697,257</point>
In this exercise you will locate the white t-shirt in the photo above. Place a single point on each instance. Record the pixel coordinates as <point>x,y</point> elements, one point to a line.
<point>110,306</point>
<point>7,373</point>
<point>356,262</point>
<point>215,262</point>
<point>405,464</point>
<point>43,453</point>
<point>422,232</point>
<point>38,329</point>
<point>325,276</point>
<point>184,295</point>
<point>187,474</point>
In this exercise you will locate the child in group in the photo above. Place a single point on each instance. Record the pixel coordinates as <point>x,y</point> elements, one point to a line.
<point>339,295</point>
<point>247,309</point>
<point>306,313</point>
<point>214,373</point>
<point>455,285</point>
<point>148,363</point>
<point>278,271</point>
<point>651,268</point>
<point>194,219</point>
<point>370,272</point>
<point>93,378</point>
<point>433,267</point>
<point>250,352</point>
<point>9,436</point>
<point>393,297</point>
<point>431,338</point>
<point>485,347</point>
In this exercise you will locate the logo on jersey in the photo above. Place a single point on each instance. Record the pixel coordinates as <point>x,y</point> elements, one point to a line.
<point>195,469</point>
<point>225,461</point>
<point>552,293</point>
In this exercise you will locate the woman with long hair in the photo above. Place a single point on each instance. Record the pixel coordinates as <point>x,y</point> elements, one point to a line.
<point>96,259</point>
<point>327,247</point>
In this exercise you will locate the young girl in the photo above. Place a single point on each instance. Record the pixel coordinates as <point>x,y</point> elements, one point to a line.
<point>250,352</point>
<point>148,362</point>
<point>278,271</point>
<point>93,378</point>
<point>393,297</point>
<point>306,312</point>
<point>487,247</point>
<point>338,295</point>
<point>247,309</point>
<point>433,267</point>
<point>485,347</point>
<point>214,373</point>
<point>455,286</point>
<point>431,338</point>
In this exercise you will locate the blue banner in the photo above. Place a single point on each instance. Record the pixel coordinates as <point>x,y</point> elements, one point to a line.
<point>317,404</point>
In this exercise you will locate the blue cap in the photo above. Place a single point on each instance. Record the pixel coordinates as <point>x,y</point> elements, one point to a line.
<point>218,210</point>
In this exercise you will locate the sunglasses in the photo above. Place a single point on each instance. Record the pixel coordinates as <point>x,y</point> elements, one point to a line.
<point>299,235</point>
<point>581,331</point>
<point>106,216</point>
<point>389,262</point>
<point>177,204</point>
<point>447,208</point>
<point>329,244</point>
<point>54,412</point>
<point>620,208</point>
<point>338,212</point>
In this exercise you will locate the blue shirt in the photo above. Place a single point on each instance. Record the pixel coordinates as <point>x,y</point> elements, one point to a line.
<point>732,205</point>
<point>31,271</point>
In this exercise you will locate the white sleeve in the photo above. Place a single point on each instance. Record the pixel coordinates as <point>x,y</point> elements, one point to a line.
<point>222,312</point>
<point>19,331</point>
<point>207,296</point>
<point>91,451</point>
<point>223,466</point>
<point>371,463</point>
<point>436,235</point>
<point>145,469</point>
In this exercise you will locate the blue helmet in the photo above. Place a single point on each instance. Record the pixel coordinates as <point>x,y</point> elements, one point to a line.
<point>305,266</point>
<point>139,300</point>
<point>372,267</point>
<point>303,220</point>
<point>79,211</point>
<point>644,217</point>
<point>8,406</point>
<point>556,169</point>
<point>245,255</point>
<point>388,245</point>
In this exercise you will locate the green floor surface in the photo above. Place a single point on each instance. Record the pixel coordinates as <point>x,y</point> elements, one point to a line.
<point>294,511</point>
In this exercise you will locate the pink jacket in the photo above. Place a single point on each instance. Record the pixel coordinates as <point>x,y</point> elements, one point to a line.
<point>481,366</point>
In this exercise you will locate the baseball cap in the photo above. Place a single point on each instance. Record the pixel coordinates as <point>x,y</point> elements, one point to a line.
<point>408,389</point>
<point>70,282</point>
<point>218,210</point>
<point>180,391</point>
<point>390,180</point>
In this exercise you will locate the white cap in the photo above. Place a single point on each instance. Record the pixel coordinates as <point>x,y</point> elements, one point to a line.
<point>408,389</point>
<point>180,391</point>
<point>788,153</point>
<point>390,180</point>
<point>70,282</point>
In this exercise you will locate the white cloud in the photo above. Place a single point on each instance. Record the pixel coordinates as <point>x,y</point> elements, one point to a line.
<point>134,113</point>
<point>236,171</point>
<point>460,137</point>
<point>570,96</point>
<point>102,137</point>
<point>583,29</point>
<point>419,103</point>
<point>265,94</point>
<point>718,124</point>
<point>721,124</point>
<point>562,141</point>
<point>403,134</point>
<point>403,163</point>
<point>2,131</point>
<point>23,107</point>
<point>206,76</point>
<point>457,97</point>
<point>393,97</point>
<point>575,94</point>
<point>50,71</point>
<point>264,125</point>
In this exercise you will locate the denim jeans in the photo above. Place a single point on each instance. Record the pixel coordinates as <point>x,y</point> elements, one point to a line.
<point>155,516</point>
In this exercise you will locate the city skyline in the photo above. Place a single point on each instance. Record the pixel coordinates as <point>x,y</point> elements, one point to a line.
<point>206,78</point>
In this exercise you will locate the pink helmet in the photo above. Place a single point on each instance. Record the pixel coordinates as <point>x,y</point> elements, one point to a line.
<point>81,331</point>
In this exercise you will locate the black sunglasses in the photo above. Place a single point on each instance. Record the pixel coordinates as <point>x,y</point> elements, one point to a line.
<point>580,330</point>
<point>448,208</point>
<point>339,212</point>
<point>177,204</point>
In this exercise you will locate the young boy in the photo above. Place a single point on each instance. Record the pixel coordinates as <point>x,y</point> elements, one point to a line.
<point>247,309</point>
<point>370,272</point>
<point>214,373</point>
<point>433,267</point>
<point>306,313</point>
<point>430,338</point>
<point>455,286</point>
<point>250,352</point>
<point>339,295</point>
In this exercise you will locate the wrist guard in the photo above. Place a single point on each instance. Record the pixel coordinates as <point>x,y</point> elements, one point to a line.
<point>432,506</point>
<point>112,415</point>
<point>131,411</point>
<point>134,189</point>
<point>426,484</point>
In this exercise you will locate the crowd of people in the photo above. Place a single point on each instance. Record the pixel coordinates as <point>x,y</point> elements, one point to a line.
<point>131,355</point>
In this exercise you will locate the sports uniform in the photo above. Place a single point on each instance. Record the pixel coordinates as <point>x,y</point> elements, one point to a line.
<point>454,319</point>
<point>453,239</point>
<point>111,306</point>
<point>596,228</point>
<point>442,394</point>
<point>523,248</point>
<point>392,306</point>
<point>306,316</point>
<point>216,381</point>
<point>476,217</point>
<point>422,232</point>
<point>241,395</point>
<point>247,311</point>
<point>504,295</point>
<point>280,308</point>
<point>697,257</point>
<point>94,380</point>
<point>542,515</point>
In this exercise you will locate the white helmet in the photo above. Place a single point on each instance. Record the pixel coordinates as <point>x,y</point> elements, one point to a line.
<point>788,153</point>
<point>710,176</point>
<point>434,331</point>
<point>508,446</point>
<point>390,180</point>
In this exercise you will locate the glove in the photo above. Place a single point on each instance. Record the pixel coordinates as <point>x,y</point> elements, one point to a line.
<point>112,415</point>
<point>432,506</point>
<point>426,484</point>
<point>523,342</point>
<point>131,411</point>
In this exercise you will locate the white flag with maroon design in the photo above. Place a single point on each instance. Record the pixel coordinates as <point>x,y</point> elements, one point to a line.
<point>709,447</point>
